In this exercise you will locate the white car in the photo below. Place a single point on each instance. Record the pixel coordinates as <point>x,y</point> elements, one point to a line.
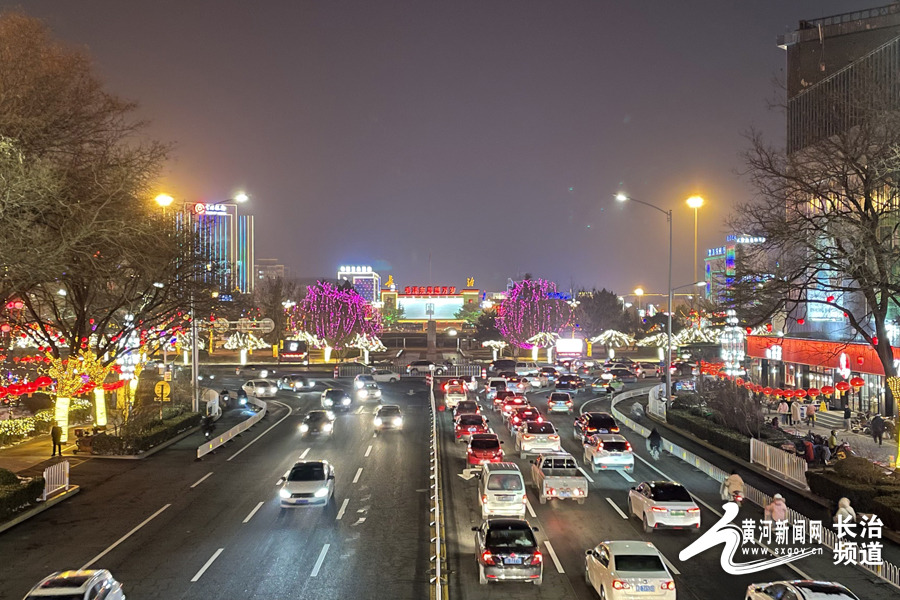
<point>261,388</point>
<point>361,380</point>
<point>386,376</point>
<point>663,504</point>
<point>454,394</point>
<point>536,381</point>
<point>369,392</point>
<point>624,570</point>
<point>307,483</point>
<point>608,452</point>
<point>535,437</point>
<point>92,583</point>
<point>799,590</point>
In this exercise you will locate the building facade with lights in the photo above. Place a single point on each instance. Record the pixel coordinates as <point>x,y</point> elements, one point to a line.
<point>364,280</point>
<point>439,303</point>
<point>227,239</point>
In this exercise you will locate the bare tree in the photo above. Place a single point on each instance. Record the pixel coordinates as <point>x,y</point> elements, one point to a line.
<point>270,296</point>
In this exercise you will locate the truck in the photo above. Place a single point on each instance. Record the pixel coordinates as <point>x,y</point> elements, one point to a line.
<point>556,475</point>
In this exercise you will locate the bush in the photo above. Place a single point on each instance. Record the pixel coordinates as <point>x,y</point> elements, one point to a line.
<point>717,435</point>
<point>830,485</point>
<point>856,468</point>
<point>140,439</point>
<point>106,444</point>
<point>888,510</point>
<point>7,477</point>
<point>15,498</point>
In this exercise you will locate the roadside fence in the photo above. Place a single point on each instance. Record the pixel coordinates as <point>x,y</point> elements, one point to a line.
<point>238,429</point>
<point>438,581</point>
<point>787,465</point>
<point>56,477</point>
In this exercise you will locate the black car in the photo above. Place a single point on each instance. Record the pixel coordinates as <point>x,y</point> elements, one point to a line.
<point>335,399</point>
<point>569,382</point>
<point>297,383</point>
<point>591,423</point>
<point>623,375</point>
<point>318,422</point>
<point>506,549</point>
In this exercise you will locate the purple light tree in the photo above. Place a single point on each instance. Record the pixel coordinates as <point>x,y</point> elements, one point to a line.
<point>532,307</point>
<point>338,315</point>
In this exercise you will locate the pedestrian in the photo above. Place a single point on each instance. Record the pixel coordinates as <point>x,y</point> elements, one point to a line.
<point>845,512</point>
<point>877,427</point>
<point>811,414</point>
<point>795,412</point>
<point>733,484</point>
<point>783,410</point>
<point>832,441</point>
<point>847,416</point>
<point>777,509</point>
<point>56,436</point>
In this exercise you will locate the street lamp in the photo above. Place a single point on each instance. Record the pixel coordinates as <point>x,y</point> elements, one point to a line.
<point>695,202</point>
<point>454,333</point>
<point>621,197</point>
<point>639,292</point>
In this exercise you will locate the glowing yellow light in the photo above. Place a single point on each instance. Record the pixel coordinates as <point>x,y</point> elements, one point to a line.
<point>164,200</point>
<point>639,292</point>
<point>241,197</point>
<point>695,201</point>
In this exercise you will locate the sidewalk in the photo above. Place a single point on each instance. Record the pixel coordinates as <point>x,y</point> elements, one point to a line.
<point>862,445</point>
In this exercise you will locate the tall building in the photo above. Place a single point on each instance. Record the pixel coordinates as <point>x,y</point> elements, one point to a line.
<point>364,280</point>
<point>720,266</point>
<point>227,239</point>
<point>268,268</point>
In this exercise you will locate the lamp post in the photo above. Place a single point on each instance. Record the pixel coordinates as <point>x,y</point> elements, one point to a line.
<point>695,202</point>
<point>639,292</point>
<point>621,197</point>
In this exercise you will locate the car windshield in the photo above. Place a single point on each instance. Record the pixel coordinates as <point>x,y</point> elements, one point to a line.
<point>470,420</point>
<point>316,416</point>
<point>499,385</point>
<point>505,481</point>
<point>511,538</point>
<point>820,591</point>
<point>334,394</point>
<point>307,472</point>
<point>467,405</point>
<point>456,389</point>
<point>389,411</point>
<point>545,427</point>
<point>601,421</point>
<point>670,493</point>
<point>639,563</point>
<point>485,444</point>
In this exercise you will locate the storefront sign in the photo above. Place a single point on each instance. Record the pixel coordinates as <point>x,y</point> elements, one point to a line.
<point>773,352</point>
<point>201,208</point>
<point>435,290</point>
<point>859,358</point>
<point>844,365</point>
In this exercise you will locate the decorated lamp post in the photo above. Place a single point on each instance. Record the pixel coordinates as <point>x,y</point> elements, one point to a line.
<point>732,342</point>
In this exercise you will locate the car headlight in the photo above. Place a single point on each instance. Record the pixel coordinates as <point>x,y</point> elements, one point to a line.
<point>326,427</point>
<point>358,384</point>
<point>398,421</point>
<point>363,393</point>
<point>264,373</point>
<point>273,390</point>
<point>345,401</point>
<point>377,421</point>
<point>304,428</point>
<point>284,493</point>
<point>321,492</point>
<point>377,393</point>
<point>330,415</point>
<point>327,401</point>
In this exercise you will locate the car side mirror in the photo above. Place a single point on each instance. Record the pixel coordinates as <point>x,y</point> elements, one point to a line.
<point>331,476</point>
<point>476,528</point>
<point>502,442</point>
<point>589,552</point>
<point>280,481</point>
<point>535,529</point>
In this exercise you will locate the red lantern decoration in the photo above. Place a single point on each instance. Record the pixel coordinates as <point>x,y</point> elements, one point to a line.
<point>857,382</point>
<point>15,389</point>
<point>3,392</point>
<point>31,387</point>
<point>767,391</point>
<point>800,394</point>
<point>779,392</point>
<point>43,381</point>
<point>829,299</point>
<point>739,381</point>
<point>813,392</point>
<point>788,393</point>
<point>749,385</point>
<point>875,340</point>
<point>842,386</point>
<point>827,390</point>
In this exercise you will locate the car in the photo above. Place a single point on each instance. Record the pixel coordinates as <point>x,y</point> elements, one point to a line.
<point>617,365</point>
<point>467,425</point>
<point>501,397</point>
<point>493,386</point>
<point>502,364</point>
<point>261,388</point>
<point>536,382</point>
<point>663,504</point>
<point>601,385</point>
<point>560,402</point>
<point>454,394</point>
<point>591,423</point>
<point>507,375</point>
<point>535,437</point>
<point>424,367</point>
<point>385,376</point>
<point>484,448</point>
<point>370,391</point>
<point>388,416</point>
<point>506,550</point>
<point>649,369</point>
<point>307,483</point>
<point>520,415</point>
<point>512,402</point>
<point>569,382</point>
<point>525,368</point>
<point>802,589</point>
<point>626,569</point>
<point>296,383</point>
<point>361,380</point>
<point>466,407</point>
<point>318,422</point>
<point>608,452</point>
<point>551,373</point>
<point>336,399</point>
<point>69,585</point>
<point>623,375</point>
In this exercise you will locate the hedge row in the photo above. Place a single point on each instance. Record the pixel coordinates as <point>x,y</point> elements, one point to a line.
<point>717,435</point>
<point>135,443</point>
<point>881,498</point>
<point>15,498</point>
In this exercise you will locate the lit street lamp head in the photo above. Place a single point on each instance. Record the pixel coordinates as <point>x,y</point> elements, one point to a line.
<point>241,197</point>
<point>621,197</point>
<point>695,201</point>
<point>639,291</point>
<point>164,200</point>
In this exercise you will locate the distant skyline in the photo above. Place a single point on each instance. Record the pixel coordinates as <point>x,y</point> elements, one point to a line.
<point>437,141</point>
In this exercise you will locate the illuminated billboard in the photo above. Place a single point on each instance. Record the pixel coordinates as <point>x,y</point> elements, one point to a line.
<point>569,347</point>
<point>441,309</point>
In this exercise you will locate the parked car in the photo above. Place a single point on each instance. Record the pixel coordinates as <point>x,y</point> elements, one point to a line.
<point>388,416</point>
<point>468,425</point>
<point>385,376</point>
<point>261,388</point>
<point>535,437</point>
<point>318,422</point>
<point>623,570</point>
<point>591,423</point>
<point>556,475</point>
<point>296,383</point>
<point>308,482</point>
<point>66,585</point>
<point>608,452</point>
<point>560,402</point>
<point>506,550</point>
<point>663,504</point>
<point>484,448</point>
<point>799,590</point>
<point>424,367</point>
<point>336,399</point>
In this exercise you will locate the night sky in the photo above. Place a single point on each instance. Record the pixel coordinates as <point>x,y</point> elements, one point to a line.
<point>487,135</point>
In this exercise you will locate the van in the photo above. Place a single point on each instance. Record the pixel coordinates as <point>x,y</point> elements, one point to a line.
<point>501,490</point>
<point>526,368</point>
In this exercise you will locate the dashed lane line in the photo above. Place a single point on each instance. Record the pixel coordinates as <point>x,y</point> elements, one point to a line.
<point>530,508</point>
<point>305,452</point>
<point>553,557</point>
<point>203,569</point>
<point>586,476</point>
<point>124,537</point>
<point>201,480</point>
<point>617,509</point>
<point>358,473</point>
<point>368,450</point>
<point>626,476</point>
<point>320,560</point>
<point>340,514</point>
<point>252,512</point>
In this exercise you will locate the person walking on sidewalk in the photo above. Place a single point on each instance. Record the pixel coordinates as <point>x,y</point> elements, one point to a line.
<point>56,436</point>
<point>847,416</point>
<point>783,411</point>
<point>777,509</point>
<point>845,512</point>
<point>811,414</point>
<point>877,427</point>
<point>795,412</point>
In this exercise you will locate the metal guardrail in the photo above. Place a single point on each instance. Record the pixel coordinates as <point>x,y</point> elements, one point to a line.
<point>238,429</point>
<point>438,582</point>
<point>887,571</point>
<point>789,466</point>
<point>56,477</point>
<point>350,370</point>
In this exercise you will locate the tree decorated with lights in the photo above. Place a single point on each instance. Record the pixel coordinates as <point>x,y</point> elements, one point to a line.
<point>338,315</point>
<point>531,308</point>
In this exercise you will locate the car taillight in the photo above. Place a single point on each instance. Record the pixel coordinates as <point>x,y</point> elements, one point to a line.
<point>470,451</point>
<point>667,585</point>
<point>618,584</point>
<point>487,558</point>
<point>628,446</point>
<point>569,402</point>
<point>614,430</point>
<point>693,510</point>
<point>537,558</point>
<point>658,509</point>
<point>554,437</point>
<point>528,436</point>
<point>516,419</point>
<point>484,498</point>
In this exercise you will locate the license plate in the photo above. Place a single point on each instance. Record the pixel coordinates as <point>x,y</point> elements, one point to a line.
<point>504,497</point>
<point>677,513</point>
<point>646,588</point>
<point>565,494</point>
<point>512,561</point>
<point>302,501</point>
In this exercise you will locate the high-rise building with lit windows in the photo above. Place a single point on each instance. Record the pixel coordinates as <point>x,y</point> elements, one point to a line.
<point>226,239</point>
<point>364,280</point>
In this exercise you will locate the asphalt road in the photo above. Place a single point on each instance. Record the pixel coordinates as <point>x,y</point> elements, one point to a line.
<point>570,528</point>
<point>173,527</point>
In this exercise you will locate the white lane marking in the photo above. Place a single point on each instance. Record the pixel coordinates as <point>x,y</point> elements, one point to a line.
<point>358,473</point>
<point>586,476</point>
<point>124,537</point>
<point>553,557</point>
<point>201,480</point>
<point>616,507</point>
<point>719,514</point>
<point>252,512</point>
<point>305,452</point>
<point>670,565</point>
<point>530,509</point>
<point>368,451</point>
<point>207,565</point>
<point>320,560</point>
<point>375,435</point>
<point>340,514</point>
<point>254,440</point>
<point>627,477</point>
<point>359,410</point>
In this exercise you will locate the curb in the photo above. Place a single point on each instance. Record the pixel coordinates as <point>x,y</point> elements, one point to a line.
<point>41,507</point>
<point>151,451</point>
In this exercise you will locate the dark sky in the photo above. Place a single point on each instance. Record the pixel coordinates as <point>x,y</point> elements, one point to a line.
<point>489,135</point>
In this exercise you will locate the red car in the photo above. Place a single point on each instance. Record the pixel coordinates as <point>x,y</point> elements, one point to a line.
<point>511,403</point>
<point>522,414</point>
<point>468,425</point>
<point>501,397</point>
<point>484,448</point>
